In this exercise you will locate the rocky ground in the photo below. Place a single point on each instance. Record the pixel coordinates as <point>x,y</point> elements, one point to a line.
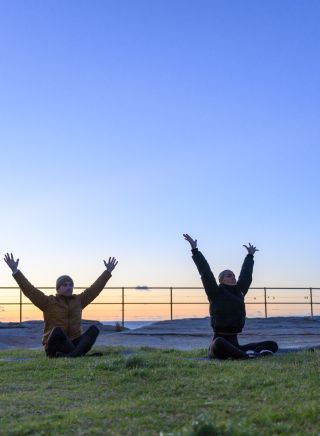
<point>184,334</point>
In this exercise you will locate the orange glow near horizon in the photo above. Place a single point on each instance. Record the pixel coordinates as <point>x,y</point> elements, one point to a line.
<point>102,310</point>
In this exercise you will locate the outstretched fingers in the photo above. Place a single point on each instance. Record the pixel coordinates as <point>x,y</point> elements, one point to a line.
<point>192,242</point>
<point>251,248</point>
<point>113,260</point>
<point>9,260</point>
<point>111,264</point>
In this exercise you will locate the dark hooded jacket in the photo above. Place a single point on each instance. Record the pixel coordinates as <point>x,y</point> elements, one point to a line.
<point>227,307</point>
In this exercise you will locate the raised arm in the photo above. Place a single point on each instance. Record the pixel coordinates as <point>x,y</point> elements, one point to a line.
<point>89,294</point>
<point>209,282</point>
<point>245,277</point>
<point>37,297</point>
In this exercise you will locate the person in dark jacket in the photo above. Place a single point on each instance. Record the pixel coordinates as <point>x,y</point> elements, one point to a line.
<point>227,307</point>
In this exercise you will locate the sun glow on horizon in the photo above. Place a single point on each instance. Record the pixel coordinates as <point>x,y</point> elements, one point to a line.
<point>156,304</point>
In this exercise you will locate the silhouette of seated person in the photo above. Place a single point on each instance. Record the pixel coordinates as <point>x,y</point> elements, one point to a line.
<point>62,313</point>
<point>227,308</point>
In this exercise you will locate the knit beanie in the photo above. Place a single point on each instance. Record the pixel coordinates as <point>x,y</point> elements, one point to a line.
<point>62,279</point>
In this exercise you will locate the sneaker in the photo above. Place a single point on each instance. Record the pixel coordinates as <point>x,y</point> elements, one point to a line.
<point>264,353</point>
<point>252,354</point>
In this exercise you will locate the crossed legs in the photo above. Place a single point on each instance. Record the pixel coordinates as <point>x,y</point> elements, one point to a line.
<point>227,346</point>
<point>60,345</point>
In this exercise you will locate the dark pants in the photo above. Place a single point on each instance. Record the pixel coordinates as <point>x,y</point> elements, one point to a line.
<point>58,342</point>
<point>227,346</point>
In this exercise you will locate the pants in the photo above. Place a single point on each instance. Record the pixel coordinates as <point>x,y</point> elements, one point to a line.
<point>58,342</point>
<point>227,346</point>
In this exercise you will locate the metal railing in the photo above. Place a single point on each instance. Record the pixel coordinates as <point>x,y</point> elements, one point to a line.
<point>309,298</point>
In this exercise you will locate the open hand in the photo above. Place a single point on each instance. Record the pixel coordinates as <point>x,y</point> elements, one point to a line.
<point>251,249</point>
<point>12,264</point>
<point>192,242</point>
<point>111,264</point>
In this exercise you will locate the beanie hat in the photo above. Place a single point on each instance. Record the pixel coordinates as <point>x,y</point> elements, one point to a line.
<point>62,279</point>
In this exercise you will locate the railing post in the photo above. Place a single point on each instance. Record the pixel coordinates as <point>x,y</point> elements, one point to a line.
<point>311,302</point>
<point>122,307</point>
<point>171,304</point>
<point>20,306</point>
<point>265,303</point>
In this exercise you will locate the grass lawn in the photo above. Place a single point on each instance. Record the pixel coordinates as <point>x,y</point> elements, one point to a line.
<point>153,392</point>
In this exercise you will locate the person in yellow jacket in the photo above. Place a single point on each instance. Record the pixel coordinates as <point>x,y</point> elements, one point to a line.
<point>62,312</point>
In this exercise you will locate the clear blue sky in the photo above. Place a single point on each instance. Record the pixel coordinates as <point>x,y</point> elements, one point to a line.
<point>124,124</point>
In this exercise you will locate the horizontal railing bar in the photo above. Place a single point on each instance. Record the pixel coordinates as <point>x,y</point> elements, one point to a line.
<point>267,299</point>
<point>283,302</point>
<point>165,287</point>
<point>168,302</point>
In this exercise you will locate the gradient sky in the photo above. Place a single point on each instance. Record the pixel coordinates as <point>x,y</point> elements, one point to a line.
<point>124,124</point>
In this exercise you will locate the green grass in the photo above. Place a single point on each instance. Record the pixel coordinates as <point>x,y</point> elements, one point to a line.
<point>156,392</point>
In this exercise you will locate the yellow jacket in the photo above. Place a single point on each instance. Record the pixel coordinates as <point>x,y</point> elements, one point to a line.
<point>61,311</point>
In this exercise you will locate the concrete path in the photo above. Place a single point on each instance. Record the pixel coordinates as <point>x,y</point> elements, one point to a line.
<point>291,333</point>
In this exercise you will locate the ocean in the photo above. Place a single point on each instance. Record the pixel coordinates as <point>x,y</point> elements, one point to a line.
<point>130,324</point>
